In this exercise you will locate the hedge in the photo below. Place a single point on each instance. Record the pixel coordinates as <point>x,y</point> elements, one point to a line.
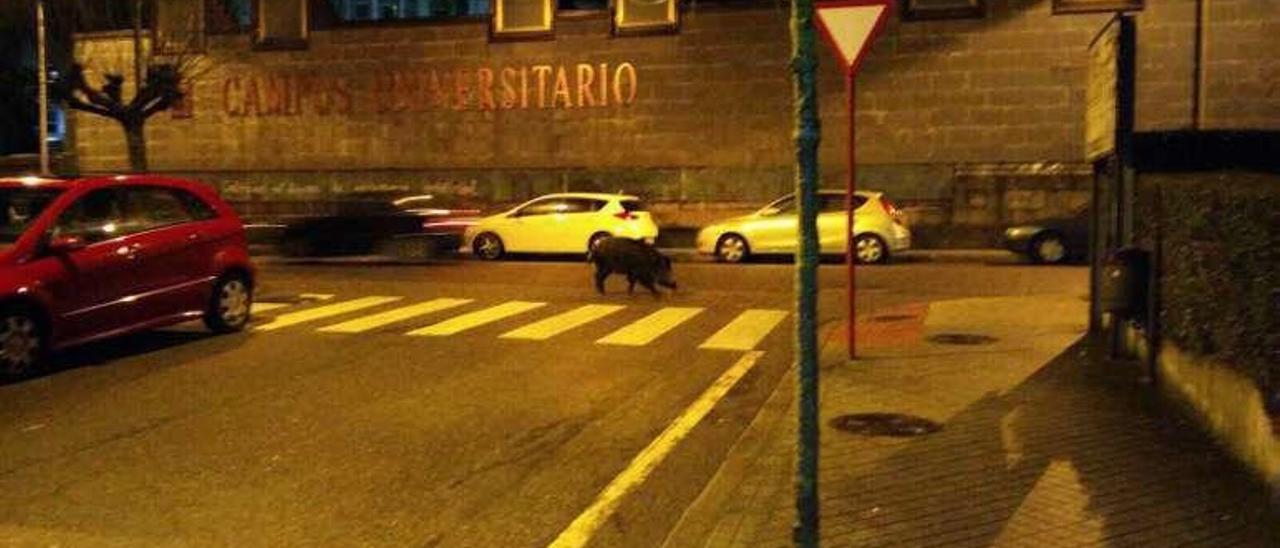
<point>1220,265</point>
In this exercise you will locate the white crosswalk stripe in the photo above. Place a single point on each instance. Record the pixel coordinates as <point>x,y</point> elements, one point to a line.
<point>648,328</point>
<point>745,331</point>
<point>476,319</point>
<point>325,311</point>
<point>366,323</point>
<point>555,325</point>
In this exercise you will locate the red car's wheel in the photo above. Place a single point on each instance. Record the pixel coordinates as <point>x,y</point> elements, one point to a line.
<point>22,342</point>
<point>230,304</point>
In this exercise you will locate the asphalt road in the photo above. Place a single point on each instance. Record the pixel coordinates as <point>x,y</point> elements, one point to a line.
<point>353,414</point>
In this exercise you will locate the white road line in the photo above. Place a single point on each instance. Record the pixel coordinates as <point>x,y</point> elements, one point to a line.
<point>315,296</point>
<point>264,307</point>
<point>476,319</point>
<point>555,325</point>
<point>745,331</point>
<point>648,328</point>
<point>321,312</point>
<point>579,532</point>
<point>360,325</point>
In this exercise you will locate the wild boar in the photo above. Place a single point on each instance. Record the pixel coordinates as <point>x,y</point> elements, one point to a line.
<point>639,261</point>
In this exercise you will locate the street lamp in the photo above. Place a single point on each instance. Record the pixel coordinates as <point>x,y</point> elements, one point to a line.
<point>42,87</point>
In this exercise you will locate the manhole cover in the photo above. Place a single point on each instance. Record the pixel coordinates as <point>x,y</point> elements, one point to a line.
<point>892,318</point>
<point>894,425</point>
<point>964,339</point>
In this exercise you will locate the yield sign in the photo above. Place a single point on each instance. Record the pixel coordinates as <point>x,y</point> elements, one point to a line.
<point>850,25</point>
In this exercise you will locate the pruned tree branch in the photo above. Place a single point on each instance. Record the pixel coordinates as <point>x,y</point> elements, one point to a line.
<point>88,107</point>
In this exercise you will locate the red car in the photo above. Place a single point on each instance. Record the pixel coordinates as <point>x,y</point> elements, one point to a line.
<point>91,258</point>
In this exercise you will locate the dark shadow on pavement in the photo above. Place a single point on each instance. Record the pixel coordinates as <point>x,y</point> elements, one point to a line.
<point>1108,461</point>
<point>183,344</point>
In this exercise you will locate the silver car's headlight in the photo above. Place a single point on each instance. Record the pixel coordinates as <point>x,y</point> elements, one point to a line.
<point>1020,231</point>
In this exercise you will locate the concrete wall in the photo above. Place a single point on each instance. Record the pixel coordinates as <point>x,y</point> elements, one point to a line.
<point>710,118</point>
<point>1227,403</point>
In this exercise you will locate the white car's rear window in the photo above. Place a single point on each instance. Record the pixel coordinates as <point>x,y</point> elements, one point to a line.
<point>633,206</point>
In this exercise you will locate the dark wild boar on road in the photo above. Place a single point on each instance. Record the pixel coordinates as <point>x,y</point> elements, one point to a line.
<point>639,261</point>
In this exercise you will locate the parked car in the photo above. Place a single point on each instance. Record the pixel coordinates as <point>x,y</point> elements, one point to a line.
<point>410,226</point>
<point>561,223</point>
<point>878,230</point>
<point>1052,241</point>
<point>85,259</point>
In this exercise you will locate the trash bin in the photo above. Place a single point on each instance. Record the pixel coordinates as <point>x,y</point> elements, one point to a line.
<point>1124,282</point>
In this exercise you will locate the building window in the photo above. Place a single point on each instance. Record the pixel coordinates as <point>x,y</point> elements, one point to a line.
<point>399,10</point>
<point>57,126</point>
<point>522,19</point>
<point>1088,6</point>
<point>281,25</point>
<point>645,16</point>
<point>228,16</point>
<point>582,5</point>
<point>916,10</point>
<point>240,11</point>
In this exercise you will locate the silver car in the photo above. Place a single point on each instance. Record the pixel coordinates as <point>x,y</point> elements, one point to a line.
<point>878,231</point>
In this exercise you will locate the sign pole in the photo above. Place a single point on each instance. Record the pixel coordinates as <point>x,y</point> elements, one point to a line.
<point>850,26</point>
<point>851,255</point>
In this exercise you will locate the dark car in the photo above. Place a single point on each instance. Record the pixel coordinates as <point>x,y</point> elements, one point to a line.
<point>86,259</point>
<point>406,227</point>
<point>1052,241</point>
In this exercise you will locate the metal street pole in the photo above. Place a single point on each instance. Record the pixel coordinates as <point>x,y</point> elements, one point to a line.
<point>808,132</point>
<point>42,88</point>
<point>851,250</point>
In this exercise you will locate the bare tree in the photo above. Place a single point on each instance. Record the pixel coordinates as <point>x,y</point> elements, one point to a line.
<point>164,74</point>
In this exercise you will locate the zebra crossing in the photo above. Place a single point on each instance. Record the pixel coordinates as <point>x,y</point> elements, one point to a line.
<point>517,319</point>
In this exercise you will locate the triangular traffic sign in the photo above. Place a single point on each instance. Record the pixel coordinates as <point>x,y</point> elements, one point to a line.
<point>851,25</point>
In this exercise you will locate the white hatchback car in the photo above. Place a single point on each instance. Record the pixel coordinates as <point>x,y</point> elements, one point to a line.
<point>561,223</point>
<point>772,230</point>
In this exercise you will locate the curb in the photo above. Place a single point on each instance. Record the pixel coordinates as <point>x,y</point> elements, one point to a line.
<point>678,254</point>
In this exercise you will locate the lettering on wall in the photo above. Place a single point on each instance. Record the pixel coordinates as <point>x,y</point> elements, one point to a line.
<point>240,189</point>
<point>561,86</point>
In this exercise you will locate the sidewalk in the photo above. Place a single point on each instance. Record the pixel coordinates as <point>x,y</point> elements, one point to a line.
<point>1043,444</point>
<point>985,256</point>
<point>681,255</point>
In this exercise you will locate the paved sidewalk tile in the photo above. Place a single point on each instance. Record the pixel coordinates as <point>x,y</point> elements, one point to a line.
<point>1044,444</point>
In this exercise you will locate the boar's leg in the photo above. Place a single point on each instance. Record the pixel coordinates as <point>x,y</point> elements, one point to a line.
<point>602,272</point>
<point>631,284</point>
<point>647,281</point>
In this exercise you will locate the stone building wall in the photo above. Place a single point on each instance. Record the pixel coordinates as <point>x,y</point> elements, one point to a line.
<point>698,119</point>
